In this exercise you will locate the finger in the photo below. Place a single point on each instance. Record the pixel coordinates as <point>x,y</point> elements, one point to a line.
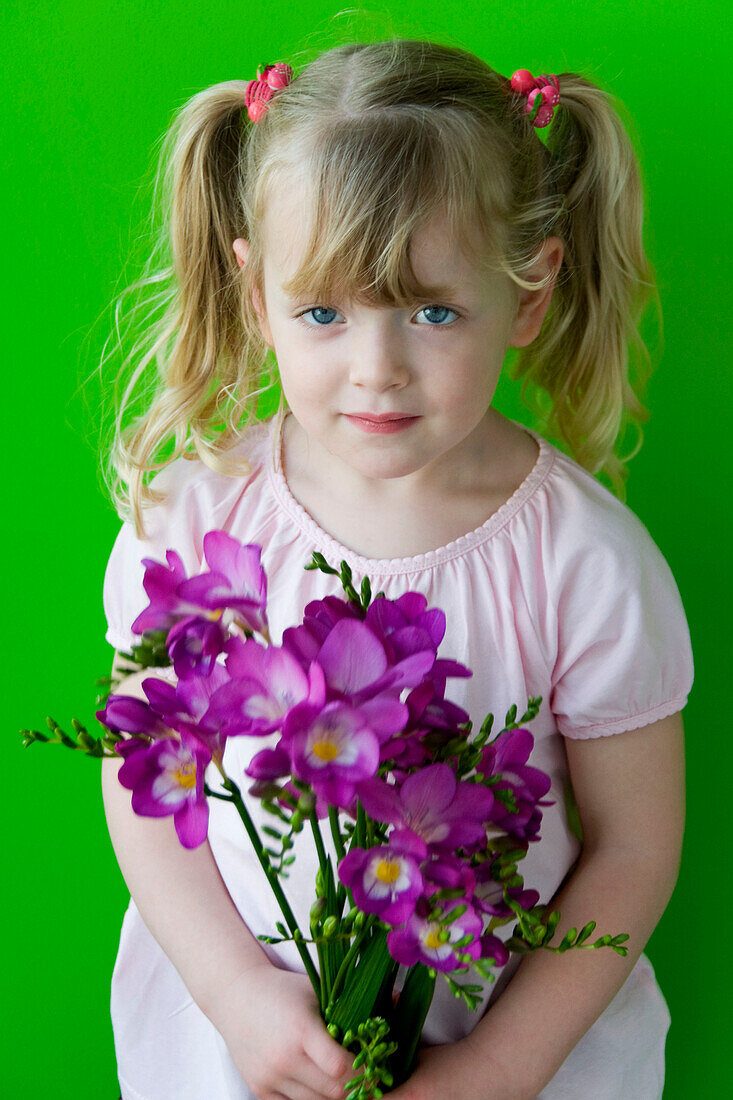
<point>319,1085</point>
<point>303,1090</point>
<point>329,1057</point>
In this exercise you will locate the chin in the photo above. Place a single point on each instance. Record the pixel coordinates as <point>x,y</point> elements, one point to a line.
<point>386,469</point>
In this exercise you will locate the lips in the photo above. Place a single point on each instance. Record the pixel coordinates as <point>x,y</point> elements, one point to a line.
<point>383,417</point>
<point>386,424</point>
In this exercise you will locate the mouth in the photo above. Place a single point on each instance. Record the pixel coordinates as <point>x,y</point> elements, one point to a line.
<point>386,424</point>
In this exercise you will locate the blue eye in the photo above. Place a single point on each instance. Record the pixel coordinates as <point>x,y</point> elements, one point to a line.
<point>321,322</point>
<point>441,311</point>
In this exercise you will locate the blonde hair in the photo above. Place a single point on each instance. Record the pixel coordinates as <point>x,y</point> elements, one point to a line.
<point>388,134</point>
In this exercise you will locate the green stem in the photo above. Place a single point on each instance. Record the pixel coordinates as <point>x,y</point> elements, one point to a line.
<point>346,964</point>
<point>322,859</point>
<point>319,841</point>
<point>266,865</point>
<point>333,817</point>
<point>360,825</point>
<point>216,794</point>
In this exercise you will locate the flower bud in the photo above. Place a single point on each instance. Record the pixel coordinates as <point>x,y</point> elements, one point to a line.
<point>330,926</point>
<point>317,910</point>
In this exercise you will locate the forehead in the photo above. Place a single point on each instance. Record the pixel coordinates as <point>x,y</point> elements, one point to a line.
<point>437,256</point>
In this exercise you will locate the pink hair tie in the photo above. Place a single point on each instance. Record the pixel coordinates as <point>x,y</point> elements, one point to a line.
<point>542,92</point>
<point>258,93</point>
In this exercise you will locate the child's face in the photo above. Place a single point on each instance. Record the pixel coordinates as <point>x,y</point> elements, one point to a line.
<point>438,361</point>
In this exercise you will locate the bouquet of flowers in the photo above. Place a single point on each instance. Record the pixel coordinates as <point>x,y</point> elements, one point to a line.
<point>428,822</point>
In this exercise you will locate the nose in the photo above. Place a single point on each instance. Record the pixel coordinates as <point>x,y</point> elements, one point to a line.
<point>378,362</point>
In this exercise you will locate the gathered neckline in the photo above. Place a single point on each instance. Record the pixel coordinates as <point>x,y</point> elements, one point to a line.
<point>456,548</point>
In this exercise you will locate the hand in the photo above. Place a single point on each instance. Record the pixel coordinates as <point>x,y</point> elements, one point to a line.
<point>270,1021</point>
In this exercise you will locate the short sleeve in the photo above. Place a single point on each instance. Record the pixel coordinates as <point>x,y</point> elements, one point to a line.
<point>171,524</point>
<point>195,499</point>
<point>624,657</point>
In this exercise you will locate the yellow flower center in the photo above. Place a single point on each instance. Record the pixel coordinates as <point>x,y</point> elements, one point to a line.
<point>186,775</point>
<point>388,870</point>
<point>325,750</point>
<point>432,940</point>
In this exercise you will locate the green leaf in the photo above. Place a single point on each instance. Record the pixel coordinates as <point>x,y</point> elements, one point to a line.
<point>363,984</point>
<point>409,1016</point>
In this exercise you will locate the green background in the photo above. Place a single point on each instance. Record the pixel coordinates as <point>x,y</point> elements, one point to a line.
<point>88,90</point>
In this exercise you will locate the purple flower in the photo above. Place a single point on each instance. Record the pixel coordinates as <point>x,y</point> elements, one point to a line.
<point>428,709</point>
<point>263,685</point>
<point>449,872</point>
<point>488,895</point>
<point>194,643</point>
<point>165,778</point>
<point>419,940</point>
<point>187,707</point>
<point>404,626</point>
<point>332,748</point>
<point>356,667</point>
<point>269,764</point>
<point>237,580</point>
<point>161,585</point>
<point>430,808</point>
<point>123,713</point>
<point>493,948</point>
<point>383,880</point>
<point>507,756</point>
<point>319,618</point>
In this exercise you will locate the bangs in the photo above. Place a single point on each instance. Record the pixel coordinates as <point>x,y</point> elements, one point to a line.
<point>373,181</point>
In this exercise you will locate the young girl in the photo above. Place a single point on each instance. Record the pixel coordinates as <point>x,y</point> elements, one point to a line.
<point>388,222</point>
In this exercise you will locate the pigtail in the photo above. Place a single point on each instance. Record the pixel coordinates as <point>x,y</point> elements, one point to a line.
<point>581,357</point>
<point>207,364</point>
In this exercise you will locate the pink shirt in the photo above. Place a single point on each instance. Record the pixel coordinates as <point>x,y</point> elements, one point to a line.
<point>562,593</point>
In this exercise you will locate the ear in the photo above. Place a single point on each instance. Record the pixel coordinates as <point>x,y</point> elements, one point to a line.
<point>241,251</point>
<point>533,304</point>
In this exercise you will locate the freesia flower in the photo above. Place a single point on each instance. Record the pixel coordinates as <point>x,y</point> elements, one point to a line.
<point>319,618</point>
<point>430,710</point>
<point>167,777</point>
<point>237,580</point>
<point>193,645</point>
<point>161,585</point>
<point>356,666</point>
<point>488,895</point>
<point>187,706</point>
<point>405,625</point>
<point>450,872</point>
<point>507,755</point>
<point>383,880</point>
<point>263,685</point>
<point>125,714</point>
<point>332,748</point>
<point>420,940</point>
<point>493,948</point>
<point>430,808</point>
